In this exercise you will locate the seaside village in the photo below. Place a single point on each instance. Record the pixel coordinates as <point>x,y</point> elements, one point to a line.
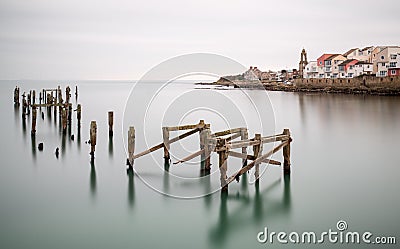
<point>380,61</point>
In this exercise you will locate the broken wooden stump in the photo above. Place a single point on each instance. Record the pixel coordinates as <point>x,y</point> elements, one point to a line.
<point>131,146</point>
<point>244,135</point>
<point>34,114</point>
<point>165,134</point>
<point>93,138</point>
<point>223,163</point>
<point>110,123</point>
<point>79,115</point>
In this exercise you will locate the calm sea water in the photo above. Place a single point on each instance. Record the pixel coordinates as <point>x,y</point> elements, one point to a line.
<point>345,166</point>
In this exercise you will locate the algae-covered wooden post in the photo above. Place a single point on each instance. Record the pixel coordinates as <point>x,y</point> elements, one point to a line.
<point>110,123</point>
<point>165,133</point>
<point>93,138</point>
<point>286,153</point>
<point>223,164</point>
<point>64,120</point>
<point>244,136</point>
<point>79,114</point>
<point>257,149</point>
<point>131,145</point>
<point>34,114</point>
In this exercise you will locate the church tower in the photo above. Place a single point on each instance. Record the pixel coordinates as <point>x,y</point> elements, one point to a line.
<point>303,62</point>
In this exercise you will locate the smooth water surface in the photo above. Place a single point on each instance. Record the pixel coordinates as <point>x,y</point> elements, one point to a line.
<point>345,166</point>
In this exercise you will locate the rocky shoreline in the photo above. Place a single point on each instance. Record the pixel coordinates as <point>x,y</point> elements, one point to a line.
<point>383,90</point>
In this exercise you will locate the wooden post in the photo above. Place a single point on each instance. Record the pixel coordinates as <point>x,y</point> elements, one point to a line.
<point>131,146</point>
<point>110,123</point>
<point>70,114</point>
<point>79,114</point>
<point>165,133</point>
<point>244,136</point>
<point>202,136</point>
<point>29,97</point>
<point>67,94</point>
<point>93,138</point>
<point>16,96</point>
<point>24,104</point>
<point>76,92</point>
<point>286,153</point>
<point>34,114</point>
<point>60,100</point>
<point>33,97</point>
<point>257,149</point>
<point>223,164</point>
<point>208,148</point>
<point>64,120</point>
<point>40,98</point>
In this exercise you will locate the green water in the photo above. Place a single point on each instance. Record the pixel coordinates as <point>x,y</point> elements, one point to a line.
<point>345,166</point>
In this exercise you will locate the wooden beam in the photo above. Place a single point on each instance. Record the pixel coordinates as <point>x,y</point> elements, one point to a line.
<point>190,157</point>
<point>161,145</point>
<point>275,138</point>
<point>251,157</point>
<point>227,132</point>
<point>187,127</point>
<point>258,160</point>
<point>234,136</point>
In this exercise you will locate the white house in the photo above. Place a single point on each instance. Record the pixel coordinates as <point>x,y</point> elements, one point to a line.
<point>311,70</point>
<point>382,60</point>
<point>362,68</point>
<point>363,54</point>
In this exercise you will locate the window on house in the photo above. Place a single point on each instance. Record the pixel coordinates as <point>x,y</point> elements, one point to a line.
<point>393,56</point>
<point>393,72</point>
<point>382,73</point>
<point>392,64</point>
<point>342,74</point>
<point>383,64</point>
<point>351,66</point>
<point>382,57</point>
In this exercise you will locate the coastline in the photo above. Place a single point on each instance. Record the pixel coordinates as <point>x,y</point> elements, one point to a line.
<point>376,89</point>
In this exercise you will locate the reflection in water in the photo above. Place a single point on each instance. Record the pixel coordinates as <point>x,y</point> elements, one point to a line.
<point>63,138</point>
<point>166,176</point>
<point>24,126</point>
<point>262,211</point>
<point>33,145</point>
<point>16,114</point>
<point>92,179</point>
<point>79,138</point>
<point>131,187</point>
<point>206,181</point>
<point>110,146</point>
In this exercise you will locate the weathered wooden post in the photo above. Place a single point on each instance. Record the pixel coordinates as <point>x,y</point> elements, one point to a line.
<point>243,136</point>
<point>70,114</point>
<point>110,123</point>
<point>202,141</point>
<point>67,94</point>
<point>64,120</point>
<point>257,149</point>
<point>207,148</point>
<point>40,98</point>
<point>223,163</point>
<point>78,114</point>
<point>33,97</point>
<point>60,100</point>
<point>16,96</point>
<point>34,114</point>
<point>286,153</point>
<point>76,92</point>
<point>165,133</point>
<point>93,138</point>
<point>131,146</point>
<point>24,104</point>
<point>29,97</point>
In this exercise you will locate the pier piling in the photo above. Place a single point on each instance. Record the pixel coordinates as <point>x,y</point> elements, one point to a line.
<point>286,154</point>
<point>131,146</point>
<point>110,123</point>
<point>93,138</point>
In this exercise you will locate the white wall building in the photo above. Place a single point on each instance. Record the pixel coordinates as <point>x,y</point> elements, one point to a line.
<point>311,70</point>
<point>362,68</point>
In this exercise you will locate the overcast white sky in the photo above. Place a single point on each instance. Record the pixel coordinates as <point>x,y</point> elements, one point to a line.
<point>122,39</point>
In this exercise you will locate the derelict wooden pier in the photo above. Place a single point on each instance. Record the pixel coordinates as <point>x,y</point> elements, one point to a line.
<point>224,145</point>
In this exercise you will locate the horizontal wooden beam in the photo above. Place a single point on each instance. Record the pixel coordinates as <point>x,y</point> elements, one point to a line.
<point>234,136</point>
<point>187,127</point>
<point>227,132</point>
<point>190,157</point>
<point>258,160</point>
<point>270,139</point>
<point>161,145</point>
<point>251,157</point>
